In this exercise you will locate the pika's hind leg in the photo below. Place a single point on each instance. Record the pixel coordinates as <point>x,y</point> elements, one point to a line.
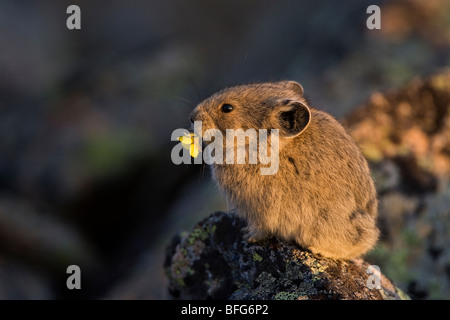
<point>355,236</point>
<point>252,234</point>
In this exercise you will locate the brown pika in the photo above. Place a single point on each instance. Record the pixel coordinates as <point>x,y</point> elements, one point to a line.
<point>322,196</point>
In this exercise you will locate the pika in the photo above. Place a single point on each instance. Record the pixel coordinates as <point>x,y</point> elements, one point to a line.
<point>322,196</point>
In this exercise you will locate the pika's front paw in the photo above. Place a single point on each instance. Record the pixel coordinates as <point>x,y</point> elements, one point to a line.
<point>253,235</point>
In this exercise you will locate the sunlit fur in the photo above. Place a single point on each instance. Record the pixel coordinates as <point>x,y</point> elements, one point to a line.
<point>322,196</point>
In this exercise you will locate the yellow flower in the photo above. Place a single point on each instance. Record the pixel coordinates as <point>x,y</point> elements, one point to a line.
<point>191,142</point>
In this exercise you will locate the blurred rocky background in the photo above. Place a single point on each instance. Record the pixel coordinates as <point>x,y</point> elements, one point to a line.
<point>86,116</point>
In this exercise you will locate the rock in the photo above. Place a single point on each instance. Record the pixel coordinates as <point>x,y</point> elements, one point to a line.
<point>214,261</point>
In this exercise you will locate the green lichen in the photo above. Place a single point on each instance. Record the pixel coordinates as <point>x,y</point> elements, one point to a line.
<point>190,271</point>
<point>291,275</point>
<point>266,278</point>
<point>197,234</point>
<point>316,268</point>
<point>266,282</point>
<point>211,229</point>
<point>284,295</point>
<point>200,233</point>
<point>257,257</point>
<point>180,282</point>
<point>178,279</point>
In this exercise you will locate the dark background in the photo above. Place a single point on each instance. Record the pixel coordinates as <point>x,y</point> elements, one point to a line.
<point>86,116</point>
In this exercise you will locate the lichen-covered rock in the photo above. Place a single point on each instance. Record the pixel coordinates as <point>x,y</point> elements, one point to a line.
<point>214,261</point>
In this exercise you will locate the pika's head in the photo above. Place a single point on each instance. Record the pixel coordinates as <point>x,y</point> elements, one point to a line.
<point>278,105</point>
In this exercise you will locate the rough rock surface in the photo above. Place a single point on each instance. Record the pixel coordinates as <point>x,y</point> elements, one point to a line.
<point>213,261</point>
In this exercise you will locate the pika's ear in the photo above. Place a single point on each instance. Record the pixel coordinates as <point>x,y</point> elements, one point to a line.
<point>294,86</point>
<point>293,119</point>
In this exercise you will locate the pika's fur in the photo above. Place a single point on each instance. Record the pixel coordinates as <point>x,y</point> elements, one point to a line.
<point>322,196</point>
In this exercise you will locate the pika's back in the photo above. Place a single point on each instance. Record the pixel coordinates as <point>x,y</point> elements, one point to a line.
<point>260,93</point>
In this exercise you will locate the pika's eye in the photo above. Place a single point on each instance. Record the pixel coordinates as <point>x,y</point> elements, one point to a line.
<point>227,108</point>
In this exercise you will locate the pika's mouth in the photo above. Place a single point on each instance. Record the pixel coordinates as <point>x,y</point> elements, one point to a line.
<point>203,126</point>
<point>199,136</point>
<point>191,142</point>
